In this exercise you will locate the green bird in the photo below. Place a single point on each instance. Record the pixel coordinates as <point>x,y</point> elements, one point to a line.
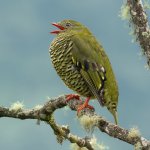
<point>83,65</point>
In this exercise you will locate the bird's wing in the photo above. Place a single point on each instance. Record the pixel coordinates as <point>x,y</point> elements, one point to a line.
<point>87,57</point>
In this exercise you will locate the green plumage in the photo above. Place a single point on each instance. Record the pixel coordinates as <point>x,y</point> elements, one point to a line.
<point>83,65</point>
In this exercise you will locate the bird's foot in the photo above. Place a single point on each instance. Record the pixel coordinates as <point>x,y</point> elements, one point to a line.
<point>72,96</point>
<point>84,105</point>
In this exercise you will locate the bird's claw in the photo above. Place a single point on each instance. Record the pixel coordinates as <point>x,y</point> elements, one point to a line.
<point>84,105</point>
<point>72,96</point>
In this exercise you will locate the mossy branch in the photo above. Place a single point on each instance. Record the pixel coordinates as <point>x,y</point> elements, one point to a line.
<point>45,113</point>
<point>134,11</point>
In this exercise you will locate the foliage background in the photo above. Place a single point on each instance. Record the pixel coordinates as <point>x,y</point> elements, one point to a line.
<point>27,75</point>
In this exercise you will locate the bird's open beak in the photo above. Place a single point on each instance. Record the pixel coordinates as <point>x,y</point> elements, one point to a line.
<point>59,27</point>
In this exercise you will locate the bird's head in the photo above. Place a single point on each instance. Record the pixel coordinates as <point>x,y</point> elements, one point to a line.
<point>67,26</point>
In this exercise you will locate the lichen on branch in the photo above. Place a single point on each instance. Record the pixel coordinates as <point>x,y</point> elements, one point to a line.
<point>134,12</point>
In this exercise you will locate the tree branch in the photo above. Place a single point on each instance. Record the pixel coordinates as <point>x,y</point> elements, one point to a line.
<point>45,113</point>
<point>140,25</point>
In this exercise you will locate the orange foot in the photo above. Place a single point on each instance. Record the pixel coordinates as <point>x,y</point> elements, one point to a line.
<point>72,96</point>
<point>85,105</point>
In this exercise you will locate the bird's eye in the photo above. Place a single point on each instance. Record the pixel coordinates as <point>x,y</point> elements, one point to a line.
<point>68,24</point>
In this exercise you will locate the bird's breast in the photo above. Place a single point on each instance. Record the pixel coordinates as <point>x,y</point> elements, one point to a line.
<point>61,56</point>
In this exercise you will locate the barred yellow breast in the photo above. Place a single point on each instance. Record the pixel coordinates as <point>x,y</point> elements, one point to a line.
<point>62,60</point>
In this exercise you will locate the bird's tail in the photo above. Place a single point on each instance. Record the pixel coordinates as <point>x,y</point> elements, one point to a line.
<point>100,100</point>
<point>115,115</point>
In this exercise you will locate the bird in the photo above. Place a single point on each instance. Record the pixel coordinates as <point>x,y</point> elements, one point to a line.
<point>81,62</point>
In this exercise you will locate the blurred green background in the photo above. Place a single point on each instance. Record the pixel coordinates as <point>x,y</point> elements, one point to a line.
<point>26,73</point>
